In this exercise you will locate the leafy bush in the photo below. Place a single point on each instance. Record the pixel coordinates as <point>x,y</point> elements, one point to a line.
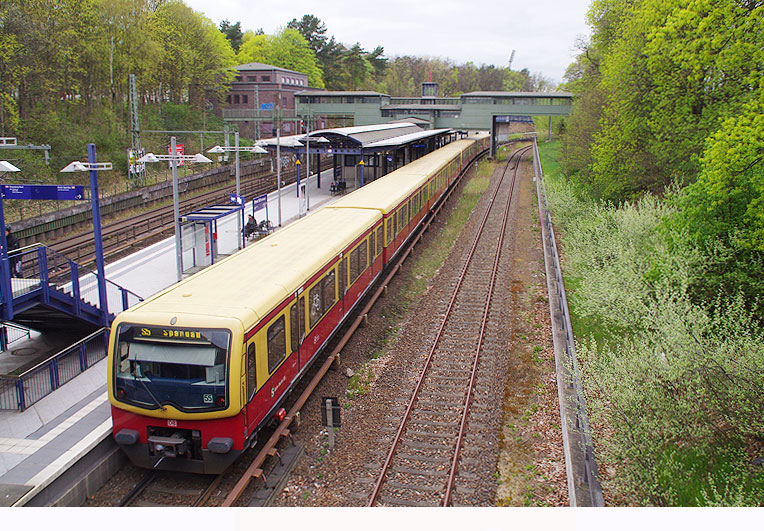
<point>673,383</point>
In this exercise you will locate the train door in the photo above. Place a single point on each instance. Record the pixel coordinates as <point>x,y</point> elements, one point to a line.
<point>297,325</point>
<point>249,385</point>
<point>342,281</point>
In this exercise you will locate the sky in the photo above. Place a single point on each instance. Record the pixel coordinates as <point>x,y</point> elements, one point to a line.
<point>543,32</point>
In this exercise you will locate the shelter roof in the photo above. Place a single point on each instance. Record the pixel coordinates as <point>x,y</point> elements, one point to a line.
<point>368,134</point>
<point>405,139</point>
<point>212,212</point>
<point>291,141</point>
<point>411,119</point>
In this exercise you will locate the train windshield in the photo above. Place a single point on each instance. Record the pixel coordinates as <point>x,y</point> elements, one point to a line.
<point>185,368</point>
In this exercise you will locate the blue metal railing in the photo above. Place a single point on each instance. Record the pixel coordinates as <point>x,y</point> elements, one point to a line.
<point>20,392</point>
<point>39,267</point>
<point>10,333</point>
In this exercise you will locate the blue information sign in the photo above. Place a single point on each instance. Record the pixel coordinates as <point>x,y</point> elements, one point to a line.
<point>258,203</point>
<point>236,199</point>
<point>43,192</point>
<point>266,106</point>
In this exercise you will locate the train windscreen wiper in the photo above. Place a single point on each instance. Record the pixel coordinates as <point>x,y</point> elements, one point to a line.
<point>146,387</point>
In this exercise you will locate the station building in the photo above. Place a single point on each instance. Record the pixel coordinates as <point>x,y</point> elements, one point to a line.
<point>262,95</point>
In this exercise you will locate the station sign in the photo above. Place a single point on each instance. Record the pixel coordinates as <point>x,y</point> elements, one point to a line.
<point>266,106</point>
<point>178,152</point>
<point>39,192</point>
<point>236,199</point>
<point>259,203</point>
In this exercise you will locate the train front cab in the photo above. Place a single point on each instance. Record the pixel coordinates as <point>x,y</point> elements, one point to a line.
<point>170,415</point>
<point>314,288</point>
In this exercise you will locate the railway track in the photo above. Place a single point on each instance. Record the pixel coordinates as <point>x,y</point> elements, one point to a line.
<point>171,489</point>
<point>132,233</point>
<point>184,489</point>
<point>422,465</point>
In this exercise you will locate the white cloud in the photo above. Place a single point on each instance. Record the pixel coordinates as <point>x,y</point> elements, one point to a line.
<point>542,31</point>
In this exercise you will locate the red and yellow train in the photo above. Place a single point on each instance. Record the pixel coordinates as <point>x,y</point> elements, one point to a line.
<point>196,370</point>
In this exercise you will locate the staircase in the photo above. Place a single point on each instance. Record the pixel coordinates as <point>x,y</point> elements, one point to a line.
<point>56,293</point>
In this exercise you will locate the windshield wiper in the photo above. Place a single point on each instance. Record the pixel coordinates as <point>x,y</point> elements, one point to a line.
<point>146,387</point>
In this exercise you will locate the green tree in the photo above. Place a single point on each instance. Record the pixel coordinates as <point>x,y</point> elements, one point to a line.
<point>357,66</point>
<point>233,33</point>
<point>287,49</point>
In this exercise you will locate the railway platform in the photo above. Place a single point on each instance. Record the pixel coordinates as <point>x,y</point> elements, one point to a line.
<point>58,451</point>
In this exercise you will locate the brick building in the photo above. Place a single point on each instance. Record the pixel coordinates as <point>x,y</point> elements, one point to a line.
<point>257,91</point>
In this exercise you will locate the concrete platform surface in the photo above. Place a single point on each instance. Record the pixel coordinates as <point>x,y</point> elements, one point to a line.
<point>41,443</point>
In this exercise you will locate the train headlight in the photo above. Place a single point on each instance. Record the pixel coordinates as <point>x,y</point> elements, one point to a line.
<point>120,392</point>
<point>220,401</point>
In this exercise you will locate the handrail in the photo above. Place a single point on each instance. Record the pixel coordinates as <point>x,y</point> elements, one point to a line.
<point>86,270</point>
<point>20,392</point>
<point>61,353</point>
<point>584,488</point>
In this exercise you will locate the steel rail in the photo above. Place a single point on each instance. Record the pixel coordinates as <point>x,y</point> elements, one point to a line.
<point>396,439</point>
<point>206,493</point>
<point>255,468</point>
<point>479,347</point>
<point>138,489</point>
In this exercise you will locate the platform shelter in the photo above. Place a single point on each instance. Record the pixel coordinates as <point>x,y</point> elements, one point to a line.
<point>364,153</point>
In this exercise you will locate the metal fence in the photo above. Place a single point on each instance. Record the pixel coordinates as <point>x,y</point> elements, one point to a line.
<point>20,392</point>
<point>10,333</point>
<point>583,480</point>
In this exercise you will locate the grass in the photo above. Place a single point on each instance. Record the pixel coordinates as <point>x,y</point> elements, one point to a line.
<point>360,383</point>
<point>427,264</point>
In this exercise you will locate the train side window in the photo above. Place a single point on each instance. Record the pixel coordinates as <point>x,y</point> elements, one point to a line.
<point>276,343</point>
<point>302,319</point>
<point>389,228</point>
<point>354,271</point>
<point>315,306</point>
<point>404,216</point>
<point>342,273</point>
<point>294,327</point>
<point>395,222</point>
<point>362,256</point>
<point>379,240</point>
<point>372,242</point>
<point>327,291</point>
<point>251,371</point>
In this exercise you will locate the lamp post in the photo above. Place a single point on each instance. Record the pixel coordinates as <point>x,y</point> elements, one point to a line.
<point>174,158</point>
<point>236,149</point>
<point>307,165</point>
<point>278,166</point>
<point>94,167</point>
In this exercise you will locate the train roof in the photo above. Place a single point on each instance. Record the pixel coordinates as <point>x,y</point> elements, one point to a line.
<point>252,282</point>
<point>387,192</point>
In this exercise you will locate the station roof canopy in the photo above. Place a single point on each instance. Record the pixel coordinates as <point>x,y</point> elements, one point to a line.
<point>364,135</point>
<point>291,141</point>
<point>405,139</point>
<point>372,137</point>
